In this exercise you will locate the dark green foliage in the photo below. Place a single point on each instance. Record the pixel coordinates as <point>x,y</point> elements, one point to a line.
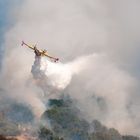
<point>103,133</point>
<point>65,121</point>
<point>129,137</point>
<point>55,102</point>
<point>46,134</point>
<point>11,116</point>
<point>105,136</point>
<point>98,127</point>
<point>20,113</point>
<point>8,128</point>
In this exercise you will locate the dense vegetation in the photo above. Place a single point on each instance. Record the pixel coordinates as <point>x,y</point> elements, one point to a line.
<point>66,122</point>
<point>62,121</point>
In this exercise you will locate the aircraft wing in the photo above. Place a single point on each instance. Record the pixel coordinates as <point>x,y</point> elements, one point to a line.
<point>31,47</point>
<point>42,52</point>
<point>47,55</point>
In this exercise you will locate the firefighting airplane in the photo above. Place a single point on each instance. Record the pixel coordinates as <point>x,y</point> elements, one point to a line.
<point>39,52</point>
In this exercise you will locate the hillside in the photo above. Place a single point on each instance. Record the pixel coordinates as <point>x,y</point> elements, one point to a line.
<point>66,122</point>
<point>61,121</point>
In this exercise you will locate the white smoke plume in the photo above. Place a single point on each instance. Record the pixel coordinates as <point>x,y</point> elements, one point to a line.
<point>105,85</point>
<point>101,89</point>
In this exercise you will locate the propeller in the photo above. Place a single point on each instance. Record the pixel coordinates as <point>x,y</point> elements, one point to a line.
<point>22,43</point>
<point>57,59</point>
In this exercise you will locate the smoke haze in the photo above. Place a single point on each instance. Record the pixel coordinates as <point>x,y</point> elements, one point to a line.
<point>98,45</point>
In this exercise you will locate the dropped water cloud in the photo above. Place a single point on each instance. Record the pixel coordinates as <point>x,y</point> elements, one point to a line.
<point>57,76</point>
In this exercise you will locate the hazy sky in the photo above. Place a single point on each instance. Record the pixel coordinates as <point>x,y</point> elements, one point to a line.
<point>71,29</point>
<point>95,21</point>
<point>3,24</point>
